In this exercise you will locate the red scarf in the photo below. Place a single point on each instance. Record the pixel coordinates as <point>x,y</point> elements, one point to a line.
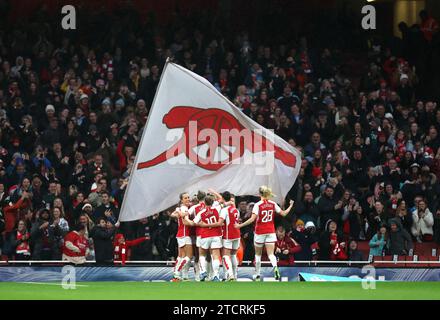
<point>337,252</point>
<point>23,248</point>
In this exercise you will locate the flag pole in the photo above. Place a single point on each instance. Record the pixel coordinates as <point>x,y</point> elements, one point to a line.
<point>167,62</point>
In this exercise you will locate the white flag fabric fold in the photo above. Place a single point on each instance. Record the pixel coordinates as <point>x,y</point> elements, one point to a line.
<point>196,139</point>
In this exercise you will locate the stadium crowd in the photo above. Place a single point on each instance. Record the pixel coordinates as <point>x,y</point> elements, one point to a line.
<point>72,110</point>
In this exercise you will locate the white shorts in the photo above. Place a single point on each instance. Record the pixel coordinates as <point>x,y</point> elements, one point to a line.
<point>211,243</point>
<point>261,239</point>
<point>199,238</point>
<point>184,241</point>
<point>231,244</point>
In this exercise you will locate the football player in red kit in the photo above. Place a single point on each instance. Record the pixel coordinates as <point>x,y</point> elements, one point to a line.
<point>231,235</point>
<point>195,231</point>
<point>210,224</point>
<point>263,213</point>
<point>183,236</point>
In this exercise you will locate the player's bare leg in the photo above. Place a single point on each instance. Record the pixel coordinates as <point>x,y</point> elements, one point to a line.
<point>258,253</point>
<point>178,266</point>
<point>234,262</point>
<point>203,253</point>
<point>270,248</point>
<point>209,266</point>
<point>188,255</point>
<point>215,254</point>
<point>196,263</point>
<point>227,264</point>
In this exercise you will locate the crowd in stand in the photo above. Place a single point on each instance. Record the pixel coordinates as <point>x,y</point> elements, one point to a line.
<point>72,112</point>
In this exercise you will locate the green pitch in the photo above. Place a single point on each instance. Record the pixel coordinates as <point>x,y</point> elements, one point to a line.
<point>227,291</point>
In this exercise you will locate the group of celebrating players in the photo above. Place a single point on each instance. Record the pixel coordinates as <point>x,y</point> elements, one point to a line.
<point>209,231</point>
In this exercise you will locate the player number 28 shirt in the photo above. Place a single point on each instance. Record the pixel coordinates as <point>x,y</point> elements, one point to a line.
<point>265,210</point>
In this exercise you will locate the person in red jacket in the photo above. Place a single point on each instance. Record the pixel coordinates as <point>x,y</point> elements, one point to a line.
<point>285,248</point>
<point>16,211</point>
<point>121,247</point>
<point>75,245</point>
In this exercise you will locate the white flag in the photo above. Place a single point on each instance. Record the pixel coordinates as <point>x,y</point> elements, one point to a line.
<point>196,139</point>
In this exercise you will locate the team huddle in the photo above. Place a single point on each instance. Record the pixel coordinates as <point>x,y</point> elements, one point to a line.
<point>209,231</point>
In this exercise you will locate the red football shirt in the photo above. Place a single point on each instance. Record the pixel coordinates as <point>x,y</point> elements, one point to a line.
<point>231,215</point>
<point>182,231</point>
<point>193,212</point>
<point>265,210</point>
<point>209,215</point>
<point>78,241</point>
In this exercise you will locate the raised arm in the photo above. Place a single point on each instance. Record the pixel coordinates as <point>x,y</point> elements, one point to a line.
<point>217,195</point>
<point>286,212</point>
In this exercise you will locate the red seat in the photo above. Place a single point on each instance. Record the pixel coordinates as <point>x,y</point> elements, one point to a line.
<point>377,258</point>
<point>391,263</point>
<point>437,260</point>
<point>411,259</point>
<point>417,258</point>
<point>402,261</point>
<point>425,258</point>
<point>424,249</point>
<point>364,247</point>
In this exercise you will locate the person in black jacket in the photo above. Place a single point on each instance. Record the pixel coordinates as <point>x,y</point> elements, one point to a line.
<point>41,238</point>
<point>400,241</point>
<point>328,206</point>
<point>353,253</point>
<point>143,251</point>
<point>306,210</point>
<point>102,235</point>
<point>305,239</point>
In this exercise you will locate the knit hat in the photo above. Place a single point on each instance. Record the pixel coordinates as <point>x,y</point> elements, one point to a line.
<point>299,222</point>
<point>118,237</point>
<point>309,224</point>
<point>87,205</point>
<point>50,107</point>
<point>327,224</point>
<point>106,101</point>
<point>403,76</point>
<point>120,102</point>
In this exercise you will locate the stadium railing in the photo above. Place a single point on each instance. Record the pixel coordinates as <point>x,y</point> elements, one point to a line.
<point>317,263</point>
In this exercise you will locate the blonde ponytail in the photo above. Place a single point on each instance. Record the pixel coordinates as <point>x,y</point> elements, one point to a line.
<point>266,192</point>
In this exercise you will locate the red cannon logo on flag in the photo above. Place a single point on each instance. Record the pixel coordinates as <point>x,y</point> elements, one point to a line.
<point>221,132</point>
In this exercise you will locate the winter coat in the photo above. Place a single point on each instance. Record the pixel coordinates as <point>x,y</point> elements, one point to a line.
<point>377,246</point>
<point>103,243</point>
<point>305,240</point>
<point>422,225</point>
<point>400,241</point>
